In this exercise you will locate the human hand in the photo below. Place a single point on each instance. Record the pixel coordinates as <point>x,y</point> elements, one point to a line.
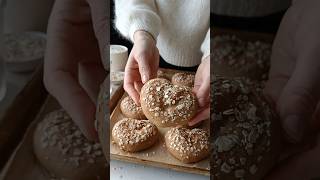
<point>294,88</point>
<point>142,64</point>
<point>295,70</point>
<point>73,71</point>
<point>202,91</point>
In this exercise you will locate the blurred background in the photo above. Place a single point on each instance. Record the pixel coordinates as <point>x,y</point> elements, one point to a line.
<point>23,26</point>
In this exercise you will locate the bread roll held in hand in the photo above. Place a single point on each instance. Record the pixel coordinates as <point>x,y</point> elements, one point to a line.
<point>166,104</point>
<point>64,151</point>
<point>246,138</point>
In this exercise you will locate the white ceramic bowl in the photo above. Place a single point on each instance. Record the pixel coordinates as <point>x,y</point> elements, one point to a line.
<point>26,64</point>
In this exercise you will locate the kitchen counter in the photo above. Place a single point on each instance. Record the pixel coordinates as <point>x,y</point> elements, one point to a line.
<point>127,171</point>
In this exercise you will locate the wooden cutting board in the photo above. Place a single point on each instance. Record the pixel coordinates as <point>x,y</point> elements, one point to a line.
<point>157,155</point>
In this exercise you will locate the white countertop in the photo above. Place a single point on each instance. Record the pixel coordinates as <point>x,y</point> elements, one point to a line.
<point>128,171</point>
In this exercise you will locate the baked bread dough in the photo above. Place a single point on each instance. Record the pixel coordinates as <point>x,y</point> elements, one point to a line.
<point>246,140</point>
<point>183,79</point>
<point>187,145</point>
<point>162,74</point>
<point>62,149</point>
<point>166,104</point>
<point>130,109</point>
<point>233,57</point>
<point>134,135</point>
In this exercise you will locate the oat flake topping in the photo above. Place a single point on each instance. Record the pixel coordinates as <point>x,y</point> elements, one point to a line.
<point>241,132</point>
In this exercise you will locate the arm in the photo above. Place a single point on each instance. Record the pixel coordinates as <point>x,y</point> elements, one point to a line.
<point>138,21</point>
<point>135,15</point>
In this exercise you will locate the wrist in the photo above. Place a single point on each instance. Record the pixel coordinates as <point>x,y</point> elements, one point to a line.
<point>206,58</point>
<point>142,35</point>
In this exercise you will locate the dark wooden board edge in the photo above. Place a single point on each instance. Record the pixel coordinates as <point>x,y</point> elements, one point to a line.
<point>20,114</point>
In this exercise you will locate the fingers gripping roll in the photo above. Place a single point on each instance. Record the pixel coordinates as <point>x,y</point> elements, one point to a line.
<point>166,104</point>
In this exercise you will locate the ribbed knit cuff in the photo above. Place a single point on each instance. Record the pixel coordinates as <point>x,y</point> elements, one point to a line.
<point>150,27</point>
<point>205,46</point>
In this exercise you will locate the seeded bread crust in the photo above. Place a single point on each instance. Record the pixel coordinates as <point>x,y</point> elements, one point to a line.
<point>62,149</point>
<point>134,135</point>
<point>130,109</point>
<point>183,79</point>
<point>233,57</point>
<point>162,74</point>
<point>246,138</point>
<point>187,145</point>
<point>167,105</point>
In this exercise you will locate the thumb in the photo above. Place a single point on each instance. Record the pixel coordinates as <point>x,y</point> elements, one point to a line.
<point>202,91</point>
<point>298,101</point>
<point>146,68</point>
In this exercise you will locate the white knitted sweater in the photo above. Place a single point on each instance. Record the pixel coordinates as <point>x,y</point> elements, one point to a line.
<point>181,27</point>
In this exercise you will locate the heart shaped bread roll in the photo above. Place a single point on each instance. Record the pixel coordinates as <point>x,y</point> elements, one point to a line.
<point>61,148</point>
<point>183,79</point>
<point>234,57</point>
<point>166,104</point>
<point>187,145</point>
<point>134,135</point>
<point>246,135</point>
<point>130,109</point>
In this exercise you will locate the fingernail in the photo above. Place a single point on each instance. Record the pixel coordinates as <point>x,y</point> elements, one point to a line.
<point>295,128</point>
<point>144,79</point>
<point>137,101</point>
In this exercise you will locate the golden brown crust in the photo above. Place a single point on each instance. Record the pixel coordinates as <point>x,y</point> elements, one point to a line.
<point>183,79</point>
<point>166,104</point>
<point>162,74</point>
<point>187,145</point>
<point>130,109</point>
<point>134,135</point>
<point>62,149</point>
<point>245,135</point>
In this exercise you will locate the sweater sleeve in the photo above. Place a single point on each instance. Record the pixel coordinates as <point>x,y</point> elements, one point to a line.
<point>205,46</point>
<point>134,15</point>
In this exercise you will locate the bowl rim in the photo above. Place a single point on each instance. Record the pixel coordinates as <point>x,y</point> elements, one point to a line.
<point>40,34</point>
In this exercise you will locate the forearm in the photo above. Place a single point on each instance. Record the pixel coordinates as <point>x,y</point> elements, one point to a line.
<point>132,16</point>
